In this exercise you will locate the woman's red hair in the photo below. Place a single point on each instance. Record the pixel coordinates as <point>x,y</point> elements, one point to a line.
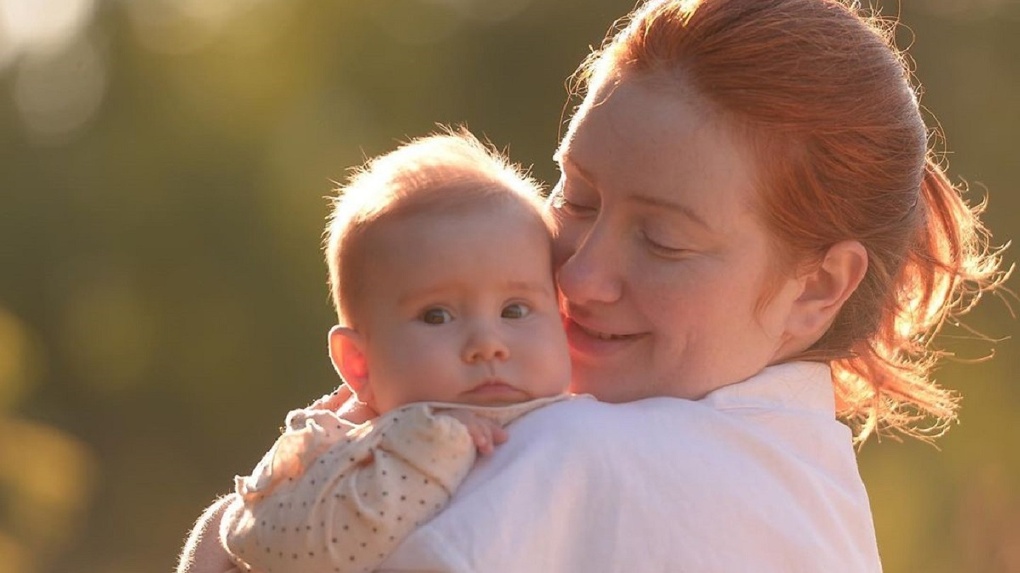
<point>826,101</point>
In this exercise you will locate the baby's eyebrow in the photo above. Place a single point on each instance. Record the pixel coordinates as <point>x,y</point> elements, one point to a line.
<point>541,288</point>
<point>415,296</point>
<point>537,288</point>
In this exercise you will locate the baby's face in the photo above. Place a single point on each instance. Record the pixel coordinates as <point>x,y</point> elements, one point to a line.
<point>461,306</point>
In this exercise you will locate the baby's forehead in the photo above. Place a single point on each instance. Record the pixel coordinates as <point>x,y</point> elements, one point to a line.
<point>465,238</point>
<point>464,194</point>
<point>474,217</point>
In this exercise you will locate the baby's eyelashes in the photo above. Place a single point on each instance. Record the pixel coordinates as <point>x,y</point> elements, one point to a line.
<point>436,316</point>
<point>515,310</point>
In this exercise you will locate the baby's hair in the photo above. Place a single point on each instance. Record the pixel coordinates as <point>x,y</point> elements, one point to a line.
<point>447,171</point>
<point>826,100</point>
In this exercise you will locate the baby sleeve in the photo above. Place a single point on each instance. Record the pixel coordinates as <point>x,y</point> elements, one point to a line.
<point>332,500</point>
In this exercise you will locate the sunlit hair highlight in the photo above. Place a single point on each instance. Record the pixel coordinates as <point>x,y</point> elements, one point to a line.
<point>828,104</point>
<point>451,171</point>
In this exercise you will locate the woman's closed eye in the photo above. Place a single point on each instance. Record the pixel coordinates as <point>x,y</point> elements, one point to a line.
<point>569,204</point>
<point>575,209</point>
<point>515,310</point>
<point>662,250</point>
<point>436,315</point>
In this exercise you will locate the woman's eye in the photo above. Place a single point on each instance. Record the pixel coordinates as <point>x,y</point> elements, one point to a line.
<point>569,206</point>
<point>515,310</point>
<point>436,316</point>
<point>664,250</point>
<point>575,209</point>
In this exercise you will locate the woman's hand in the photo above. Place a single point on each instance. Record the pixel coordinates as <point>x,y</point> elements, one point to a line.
<point>485,433</point>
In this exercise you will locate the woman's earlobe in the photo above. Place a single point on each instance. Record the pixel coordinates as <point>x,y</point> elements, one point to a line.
<point>828,285</point>
<point>347,352</point>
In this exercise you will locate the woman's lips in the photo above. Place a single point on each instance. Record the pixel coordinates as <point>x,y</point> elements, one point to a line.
<point>592,342</point>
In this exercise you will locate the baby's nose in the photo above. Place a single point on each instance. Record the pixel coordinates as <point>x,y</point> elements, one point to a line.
<point>485,344</point>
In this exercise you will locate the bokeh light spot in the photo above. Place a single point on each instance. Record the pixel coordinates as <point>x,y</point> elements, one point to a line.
<point>43,25</point>
<point>183,26</point>
<point>14,556</point>
<point>49,477</point>
<point>17,360</point>
<point>58,93</point>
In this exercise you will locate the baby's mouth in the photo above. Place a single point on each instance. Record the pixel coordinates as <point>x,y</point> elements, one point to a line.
<point>496,391</point>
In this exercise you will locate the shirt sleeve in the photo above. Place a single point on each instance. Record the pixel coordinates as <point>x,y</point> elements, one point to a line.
<point>334,497</point>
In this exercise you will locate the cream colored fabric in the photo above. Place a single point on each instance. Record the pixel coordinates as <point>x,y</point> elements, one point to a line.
<point>335,497</point>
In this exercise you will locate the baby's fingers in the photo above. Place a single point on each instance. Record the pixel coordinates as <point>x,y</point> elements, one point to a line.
<point>487,434</point>
<point>482,436</point>
<point>499,435</point>
<point>484,433</point>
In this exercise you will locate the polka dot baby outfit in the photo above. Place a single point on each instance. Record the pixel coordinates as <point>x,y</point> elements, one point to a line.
<point>332,496</point>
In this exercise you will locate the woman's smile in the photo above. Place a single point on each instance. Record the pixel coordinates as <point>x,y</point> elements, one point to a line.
<point>585,340</point>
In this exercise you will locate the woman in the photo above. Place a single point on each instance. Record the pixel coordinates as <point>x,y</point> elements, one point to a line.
<point>749,220</point>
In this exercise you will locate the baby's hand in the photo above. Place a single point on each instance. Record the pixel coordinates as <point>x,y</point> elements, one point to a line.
<point>485,433</point>
<point>346,405</point>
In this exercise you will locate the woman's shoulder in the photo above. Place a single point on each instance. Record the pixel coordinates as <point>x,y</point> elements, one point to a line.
<point>584,409</point>
<point>584,420</point>
<point>650,479</point>
<point>698,441</point>
<point>582,433</point>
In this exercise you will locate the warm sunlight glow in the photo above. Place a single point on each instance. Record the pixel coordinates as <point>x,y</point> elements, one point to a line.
<point>35,26</point>
<point>59,93</point>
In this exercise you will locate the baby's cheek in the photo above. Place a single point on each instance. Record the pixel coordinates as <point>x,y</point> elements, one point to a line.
<point>555,364</point>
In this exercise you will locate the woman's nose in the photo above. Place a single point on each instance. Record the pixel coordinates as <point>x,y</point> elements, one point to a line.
<point>592,272</point>
<point>485,344</point>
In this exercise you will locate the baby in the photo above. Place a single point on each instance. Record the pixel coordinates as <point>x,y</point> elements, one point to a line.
<point>441,273</point>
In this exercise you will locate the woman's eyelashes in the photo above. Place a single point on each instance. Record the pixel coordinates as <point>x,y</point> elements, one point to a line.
<point>572,202</point>
<point>665,251</point>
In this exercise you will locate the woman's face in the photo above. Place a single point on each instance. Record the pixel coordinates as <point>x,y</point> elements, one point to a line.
<point>663,261</point>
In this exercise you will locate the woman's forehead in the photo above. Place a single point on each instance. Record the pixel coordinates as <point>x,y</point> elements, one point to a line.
<point>649,143</point>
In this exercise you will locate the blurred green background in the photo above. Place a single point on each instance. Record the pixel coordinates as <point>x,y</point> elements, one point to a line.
<point>163,302</point>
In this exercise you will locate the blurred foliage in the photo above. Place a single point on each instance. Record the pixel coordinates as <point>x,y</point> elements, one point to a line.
<point>162,297</point>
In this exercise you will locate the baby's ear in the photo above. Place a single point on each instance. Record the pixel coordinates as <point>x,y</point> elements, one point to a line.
<point>347,351</point>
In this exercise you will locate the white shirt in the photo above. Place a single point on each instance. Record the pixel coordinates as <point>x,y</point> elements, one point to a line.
<point>758,476</point>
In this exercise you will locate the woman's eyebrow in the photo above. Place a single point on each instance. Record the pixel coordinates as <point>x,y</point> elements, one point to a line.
<point>684,210</point>
<point>566,160</point>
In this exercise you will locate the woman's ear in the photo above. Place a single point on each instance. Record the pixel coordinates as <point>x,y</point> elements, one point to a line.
<point>826,287</point>
<point>347,351</point>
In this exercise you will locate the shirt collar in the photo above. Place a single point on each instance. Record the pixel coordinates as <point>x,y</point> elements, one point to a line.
<point>788,386</point>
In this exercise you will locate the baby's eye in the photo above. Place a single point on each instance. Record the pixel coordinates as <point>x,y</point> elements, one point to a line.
<point>515,310</point>
<point>436,316</point>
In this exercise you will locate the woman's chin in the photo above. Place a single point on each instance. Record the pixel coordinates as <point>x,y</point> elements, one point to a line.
<point>604,385</point>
